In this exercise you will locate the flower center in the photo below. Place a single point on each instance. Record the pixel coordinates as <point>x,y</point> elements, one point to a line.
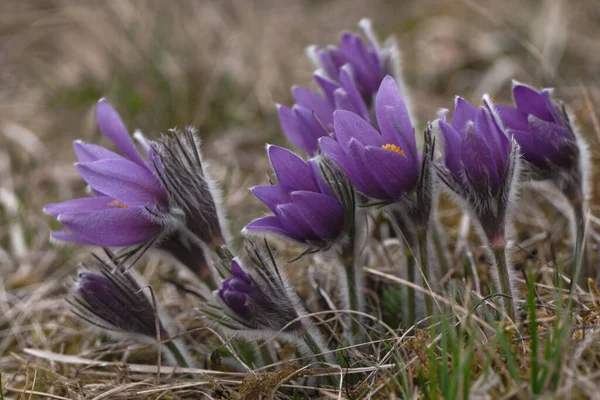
<point>117,204</point>
<point>394,148</point>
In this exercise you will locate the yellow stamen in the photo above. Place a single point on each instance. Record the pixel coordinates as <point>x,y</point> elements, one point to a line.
<point>393,147</point>
<point>117,204</point>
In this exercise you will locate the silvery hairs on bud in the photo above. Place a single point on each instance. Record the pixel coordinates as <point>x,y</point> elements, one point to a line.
<point>269,307</point>
<point>194,200</point>
<point>112,299</point>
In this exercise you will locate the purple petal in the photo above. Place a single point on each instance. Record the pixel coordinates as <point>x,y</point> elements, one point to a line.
<point>368,74</point>
<point>292,221</point>
<point>80,205</point>
<point>367,184</point>
<point>312,101</point>
<point>112,126</point>
<point>111,227</point>
<point>86,152</point>
<point>396,173</point>
<point>354,96</point>
<point>393,117</point>
<point>270,225</point>
<point>272,195</point>
<point>529,147</point>
<point>452,148</point>
<point>327,63</point>
<point>309,126</point>
<point>291,128</point>
<point>463,113</point>
<point>532,102</point>
<point>323,186</point>
<point>124,181</point>
<point>324,214</point>
<point>478,162</point>
<point>69,237</point>
<point>236,270</point>
<point>291,171</point>
<point>328,87</point>
<point>513,119</point>
<point>334,150</point>
<point>350,126</point>
<point>495,139</point>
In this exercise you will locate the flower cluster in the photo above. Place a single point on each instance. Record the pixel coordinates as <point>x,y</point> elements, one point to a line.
<point>364,159</point>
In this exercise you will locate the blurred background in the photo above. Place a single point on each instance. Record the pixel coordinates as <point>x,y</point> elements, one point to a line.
<point>222,66</point>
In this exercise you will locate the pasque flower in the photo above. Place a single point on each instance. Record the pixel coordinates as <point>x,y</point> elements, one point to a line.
<point>482,168</point>
<point>481,163</point>
<point>554,152</point>
<point>125,188</point>
<point>167,200</point>
<point>114,301</point>
<point>305,207</point>
<point>383,166</point>
<point>348,78</point>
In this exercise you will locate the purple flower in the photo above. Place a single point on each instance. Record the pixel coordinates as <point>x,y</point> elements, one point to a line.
<point>383,166</point>
<point>348,77</point>
<point>541,127</point>
<point>305,207</point>
<point>240,293</point>
<point>262,301</point>
<point>481,163</point>
<point>125,189</point>
<point>113,300</point>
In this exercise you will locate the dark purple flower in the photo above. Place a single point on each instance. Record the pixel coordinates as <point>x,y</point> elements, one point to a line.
<point>125,188</point>
<point>305,207</point>
<point>481,164</point>
<point>348,77</point>
<point>541,127</point>
<point>476,148</point>
<point>113,300</point>
<point>240,293</point>
<point>383,166</point>
<point>261,301</point>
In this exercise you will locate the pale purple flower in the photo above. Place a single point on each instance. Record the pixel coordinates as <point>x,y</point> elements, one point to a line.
<point>385,165</point>
<point>304,206</point>
<point>125,188</point>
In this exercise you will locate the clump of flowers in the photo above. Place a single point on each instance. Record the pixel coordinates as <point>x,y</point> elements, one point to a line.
<point>364,167</point>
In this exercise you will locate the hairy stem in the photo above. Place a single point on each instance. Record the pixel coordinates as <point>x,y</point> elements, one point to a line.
<point>354,283</point>
<point>503,284</point>
<point>319,353</point>
<point>424,260</point>
<point>580,263</point>
<point>440,247</point>
<point>411,304</point>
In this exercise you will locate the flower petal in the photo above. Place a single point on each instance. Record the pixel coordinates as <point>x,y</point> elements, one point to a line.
<point>367,184</point>
<point>292,221</point>
<point>313,102</point>
<point>86,152</point>
<point>272,195</point>
<point>111,227</point>
<point>270,225</point>
<point>513,118</point>
<point>123,180</point>
<point>530,101</point>
<point>324,214</point>
<point>291,128</point>
<point>112,126</point>
<point>69,237</point>
<point>334,150</point>
<point>396,173</point>
<point>452,148</point>
<point>463,113</point>
<point>393,117</point>
<point>478,161</point>
<point>291,171</point>
<point>350,126</point>
<point>348,83</point>
<point>85,204</point>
